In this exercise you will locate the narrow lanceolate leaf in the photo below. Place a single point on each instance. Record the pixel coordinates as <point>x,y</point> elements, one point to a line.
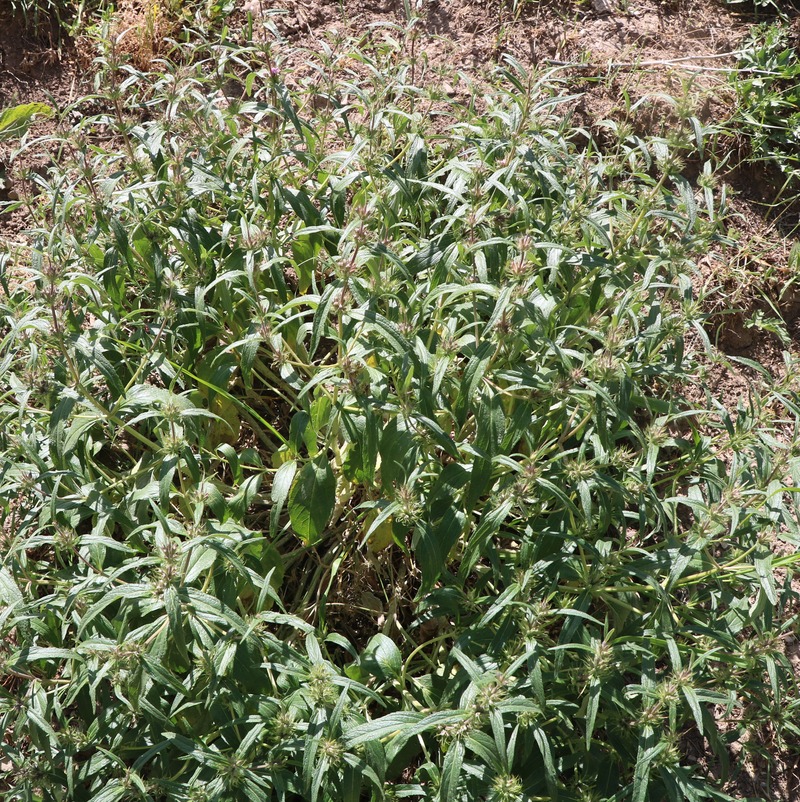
<point>641,772</point>
<point>318,328</point>
<point>473,376</point>
<point>110,792</point>
<point>543,743</point>
<point>451,771</point>
<point>391,724</point>
<point>591,710</point>
<point>694,704</point>
<point>10,594</point>
<point>312,499</point>
<point>763,564</point>
<point>281,486</point>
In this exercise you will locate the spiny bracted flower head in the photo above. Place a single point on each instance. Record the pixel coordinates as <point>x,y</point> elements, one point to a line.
<point>409,506</point>
<point>491,694</point>
<point>506,788</point>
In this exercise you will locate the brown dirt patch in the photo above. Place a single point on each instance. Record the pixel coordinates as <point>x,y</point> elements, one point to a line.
<point>33,68</point>
<point>140,29</point>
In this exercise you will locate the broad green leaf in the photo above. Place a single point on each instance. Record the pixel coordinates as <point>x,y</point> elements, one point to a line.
<point>312,499</point>
<point>432,544</point>
<point>399,452</point>
<point>362,455</point>
<point>379,534</point>
<point>694,703</point>
<point>641,773</point>
<point>382,658</point>
<point>15,121</point>
<point>305,249</point>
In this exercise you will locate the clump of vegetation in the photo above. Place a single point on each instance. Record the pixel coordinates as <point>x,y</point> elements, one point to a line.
<point>271,338</point>
<point>143,26</point>
<point>14,123</point>
<point>767,84</point>
<point>770,7</point>
<point>49,18</point>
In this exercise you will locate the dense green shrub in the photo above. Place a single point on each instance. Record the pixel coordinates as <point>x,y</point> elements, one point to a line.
<point>271,336</point>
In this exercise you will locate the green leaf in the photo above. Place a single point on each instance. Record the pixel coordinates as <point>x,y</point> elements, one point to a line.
<point>14,122</point>
<point>641,773</point>
<point>399,452</point>
<point>202,558</point>
<point>389,725</point>
<point>382,658</point>
<point>362,455</point>
<point>543,743</point>
<point>319,326</point>
<point>391,333</point>
<point>473,376</point>
<point>164,677</point>
<point>239,503</point>
<point>490,421</point>
<point>45,653</point>
<point>304,253</point>
<point>433,542</point>
<point>175,617</point>
<point>13,602</point>
<point>451,771</point>
<point>694,705</point>
<point>281,485</point>
<point>110,792</point>
<point>301,433</point>
<point>312,499</point>
<point>9,592</point>
<point>762,560</point>
<point>591,710</point>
